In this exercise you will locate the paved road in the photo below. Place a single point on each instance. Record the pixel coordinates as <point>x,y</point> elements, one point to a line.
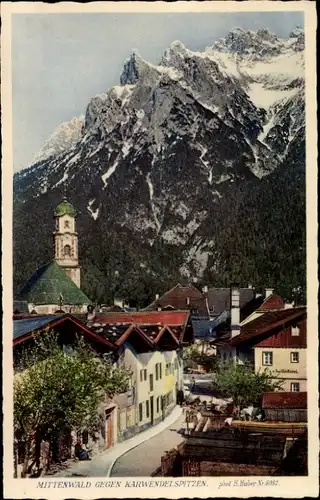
<point>145,458</point>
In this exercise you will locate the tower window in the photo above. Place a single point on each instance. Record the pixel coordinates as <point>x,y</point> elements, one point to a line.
<point>67,251</point>
<point>66,224</point>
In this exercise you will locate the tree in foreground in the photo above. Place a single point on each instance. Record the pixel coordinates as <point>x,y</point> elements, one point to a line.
<point>243,384</point>
<point>56,392</point>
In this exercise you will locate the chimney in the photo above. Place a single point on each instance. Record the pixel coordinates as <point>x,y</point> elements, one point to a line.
<point>289,305</point>
<point>157,296</point>
<point>118,302</point>
<point>205,289</point>
<point>269,292</point>
<point>90,313</point>
<point>235,309</point>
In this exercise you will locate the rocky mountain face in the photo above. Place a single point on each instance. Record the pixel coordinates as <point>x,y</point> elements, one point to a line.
<point>190,168</point>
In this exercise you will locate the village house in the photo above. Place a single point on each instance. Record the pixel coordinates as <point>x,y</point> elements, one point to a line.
<point>210,309</point>
<point>56,285</point>
<point>67,328</point>
<point>276,340</point>
<point>150,345</point>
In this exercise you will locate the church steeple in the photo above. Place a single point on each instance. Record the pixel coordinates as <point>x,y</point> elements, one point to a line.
<point>66,240</point>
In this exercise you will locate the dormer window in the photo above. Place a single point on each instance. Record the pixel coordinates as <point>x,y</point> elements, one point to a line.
<point>295,331</point>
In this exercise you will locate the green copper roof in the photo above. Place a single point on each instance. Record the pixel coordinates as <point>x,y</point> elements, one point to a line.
<point>65,208</point>
<point>48,284</point>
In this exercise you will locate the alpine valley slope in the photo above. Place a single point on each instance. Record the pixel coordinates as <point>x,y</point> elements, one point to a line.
<point>192,168</point>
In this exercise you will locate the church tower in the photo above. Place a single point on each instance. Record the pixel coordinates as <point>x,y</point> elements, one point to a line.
<point>66,241</point>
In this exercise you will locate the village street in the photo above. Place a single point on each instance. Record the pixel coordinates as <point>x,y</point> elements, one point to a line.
<point>138,456</point>
<point>146,458</point>
<point>145,448</point>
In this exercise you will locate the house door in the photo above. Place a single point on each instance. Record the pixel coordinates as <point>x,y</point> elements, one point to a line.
<point>151,409</point>
<point>109,428</point>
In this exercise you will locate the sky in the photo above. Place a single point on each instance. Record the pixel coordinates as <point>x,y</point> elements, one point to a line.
<point>60,61</point>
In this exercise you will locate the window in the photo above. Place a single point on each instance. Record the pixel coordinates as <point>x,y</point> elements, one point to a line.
<point>151,382</point>
<point>66,224</point>
<point>147,409</point>
<point>157,372</point>
<point>160,366</point>
<point>145,374</point>
<point>140,412</point>
<point>267,358</point>
<point>294,357</point>
<point>141,375</point>
<point>295,387</point>
<point>67,251</point>
<point>295,331</point>
<point>158,404</point>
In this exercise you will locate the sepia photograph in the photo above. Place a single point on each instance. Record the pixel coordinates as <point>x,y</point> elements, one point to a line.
<point>156,187</point>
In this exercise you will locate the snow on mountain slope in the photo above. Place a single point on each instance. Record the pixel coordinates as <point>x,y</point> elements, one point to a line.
<point>63,138</point>
<point>158,154</point>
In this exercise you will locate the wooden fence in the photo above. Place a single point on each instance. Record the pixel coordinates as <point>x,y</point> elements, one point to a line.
<point>286,415</point>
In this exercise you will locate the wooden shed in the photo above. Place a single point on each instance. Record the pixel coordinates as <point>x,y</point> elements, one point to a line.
<point>285,406</point>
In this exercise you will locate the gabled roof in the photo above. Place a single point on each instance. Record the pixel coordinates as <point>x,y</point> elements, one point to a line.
<point>219,298</point>
<point>277,400</point>
<point>48,284</point>
<point>166,330</point>
<point>24,326</point>
<point>130,331</point>
<point>23,329</point>
<point>181,297</point>
<point>267,322</point>
<point>272,302</point>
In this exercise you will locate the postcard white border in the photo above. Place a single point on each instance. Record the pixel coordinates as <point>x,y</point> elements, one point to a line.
<point>293,487</point>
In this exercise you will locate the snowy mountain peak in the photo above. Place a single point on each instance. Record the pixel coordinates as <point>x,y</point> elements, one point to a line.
<point>63,138</point>
<point>163,153</point>
<point>297,32</point>
<point>133,68</point>
<point>245,42</point>
<point>178,46</point>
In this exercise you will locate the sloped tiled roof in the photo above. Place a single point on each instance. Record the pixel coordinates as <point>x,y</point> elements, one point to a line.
<point>275,400</point>
<point>272,302</point>
<point>203,328</point>
<point>48,283</point>
<point>219,298</point>
<point>169,318</point>
<point>24,328</point>
<point>181,297</point>
<point>268,321</point>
